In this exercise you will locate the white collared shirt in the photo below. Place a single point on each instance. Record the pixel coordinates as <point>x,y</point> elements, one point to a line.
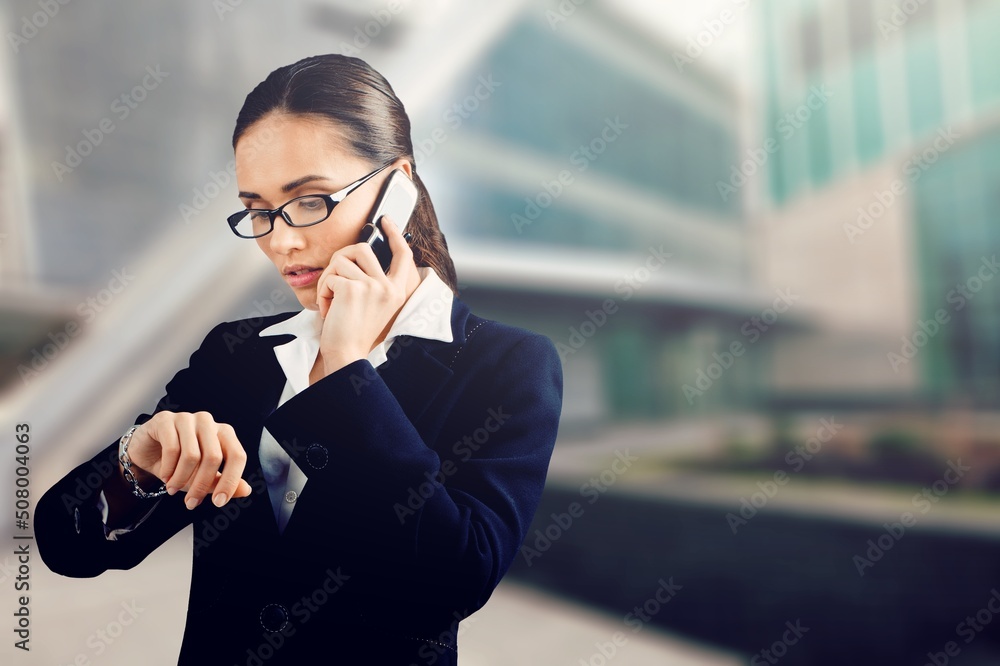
<point>426,314</point>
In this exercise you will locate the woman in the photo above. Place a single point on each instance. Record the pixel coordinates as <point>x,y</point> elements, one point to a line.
<point>372,462</point>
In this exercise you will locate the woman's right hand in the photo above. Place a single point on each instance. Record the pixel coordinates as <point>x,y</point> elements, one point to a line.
<point>185,450</point>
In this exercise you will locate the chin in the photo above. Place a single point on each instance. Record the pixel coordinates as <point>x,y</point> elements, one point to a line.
<point>307,299</point>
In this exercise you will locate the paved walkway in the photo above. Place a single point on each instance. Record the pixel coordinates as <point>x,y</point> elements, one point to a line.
<point>129,617</point>
<point>521,626</point>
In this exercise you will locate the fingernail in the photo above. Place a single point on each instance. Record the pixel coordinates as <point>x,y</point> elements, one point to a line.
<point>171,490</point>
<point>192,502</point>
<point>219,499</point>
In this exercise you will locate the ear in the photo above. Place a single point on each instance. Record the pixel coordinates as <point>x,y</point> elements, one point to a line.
<point>404,164</point>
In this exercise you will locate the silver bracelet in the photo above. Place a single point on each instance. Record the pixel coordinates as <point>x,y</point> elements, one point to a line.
<point>127,464</point>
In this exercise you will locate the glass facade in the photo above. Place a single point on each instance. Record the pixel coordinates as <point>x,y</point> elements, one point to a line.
<point>654,182</point>
<point>665,149</point>
<point>909,79</point>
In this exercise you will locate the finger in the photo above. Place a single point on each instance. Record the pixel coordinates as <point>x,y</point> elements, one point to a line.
<point>189,454</point>
<point>170,451</point>
<point>211,460</point>
<point>324,291</point>
<point>325,287</point>
<point>402,254</point>
<point>364,258</point>
<point>235,458</point>
<point>405,236</point>
<point>242,487</point>
<point>331,285</point>
<point>346,264</point>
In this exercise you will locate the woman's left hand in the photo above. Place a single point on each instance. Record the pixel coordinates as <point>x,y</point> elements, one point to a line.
<point>357,300</point>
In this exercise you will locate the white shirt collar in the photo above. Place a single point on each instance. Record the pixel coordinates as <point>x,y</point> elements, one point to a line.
<point>426,314</point>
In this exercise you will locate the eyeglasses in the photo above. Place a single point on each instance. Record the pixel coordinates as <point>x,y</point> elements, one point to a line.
<point>303,211</point>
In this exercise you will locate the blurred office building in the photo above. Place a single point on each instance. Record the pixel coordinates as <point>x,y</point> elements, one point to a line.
<point>582,202</point>
<point>881,201</point>
<point>574,175</point>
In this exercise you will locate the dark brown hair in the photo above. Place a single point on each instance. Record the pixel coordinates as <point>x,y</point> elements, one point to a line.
<point>365,109</point>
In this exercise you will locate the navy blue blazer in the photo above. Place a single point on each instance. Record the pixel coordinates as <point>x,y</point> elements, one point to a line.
<point>424,475</point>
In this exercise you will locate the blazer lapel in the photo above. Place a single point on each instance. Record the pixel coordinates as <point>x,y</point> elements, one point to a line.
<point>415,371</point>
<point>417,368</point>
<point>264,389</point>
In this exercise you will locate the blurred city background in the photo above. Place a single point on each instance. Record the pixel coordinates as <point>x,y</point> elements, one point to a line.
<point>762,233</point>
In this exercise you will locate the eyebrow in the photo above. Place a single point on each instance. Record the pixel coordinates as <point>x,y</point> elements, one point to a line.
<point>287,187</point>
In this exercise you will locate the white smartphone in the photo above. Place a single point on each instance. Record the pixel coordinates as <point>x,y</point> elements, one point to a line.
<point>397,199</point>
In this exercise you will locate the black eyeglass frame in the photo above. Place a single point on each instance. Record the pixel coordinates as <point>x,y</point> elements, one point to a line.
<point>331,202</point>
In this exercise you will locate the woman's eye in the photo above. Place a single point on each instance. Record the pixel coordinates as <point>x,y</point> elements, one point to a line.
<point>311,204</point>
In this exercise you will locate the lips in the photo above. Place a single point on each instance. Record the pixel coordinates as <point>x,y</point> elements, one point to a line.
<point>300,275</point>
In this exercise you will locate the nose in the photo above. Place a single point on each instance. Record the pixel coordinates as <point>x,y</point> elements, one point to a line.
<point>284,237</point>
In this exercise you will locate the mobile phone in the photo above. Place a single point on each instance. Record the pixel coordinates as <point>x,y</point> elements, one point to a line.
<point>397,199</point>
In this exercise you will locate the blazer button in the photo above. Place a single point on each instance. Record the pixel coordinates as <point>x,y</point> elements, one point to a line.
<point>273,617</point>
<point>76,519</point>
<point>317,456</point>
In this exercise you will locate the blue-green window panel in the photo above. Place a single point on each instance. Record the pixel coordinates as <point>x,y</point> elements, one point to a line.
<point>779,181</point>
<point>984,52</point>
<point>485,214</point>
<point>923,81</point>
<point>670,147</point>
<point>820,157</point>
<point>955,209</point>
<point>869,132</point>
